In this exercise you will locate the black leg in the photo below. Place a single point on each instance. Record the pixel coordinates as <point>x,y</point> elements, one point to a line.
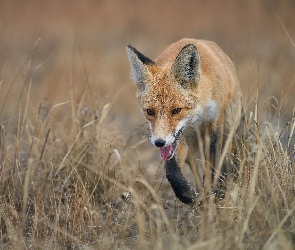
<point>215,153</point>
<point>179,184</point>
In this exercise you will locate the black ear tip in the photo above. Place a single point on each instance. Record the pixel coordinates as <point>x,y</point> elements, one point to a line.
<point>128,46</point>
<point>134,50</point>
<point>141,57</point>
<point>190,46</point>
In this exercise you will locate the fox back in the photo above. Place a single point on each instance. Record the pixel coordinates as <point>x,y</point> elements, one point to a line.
<point>191,84</point>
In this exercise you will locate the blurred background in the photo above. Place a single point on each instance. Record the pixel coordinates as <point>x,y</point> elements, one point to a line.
<point>63,66</point>
<point>57,46</point>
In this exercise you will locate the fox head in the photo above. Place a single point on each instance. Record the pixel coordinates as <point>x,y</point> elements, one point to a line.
<point>168,94</point>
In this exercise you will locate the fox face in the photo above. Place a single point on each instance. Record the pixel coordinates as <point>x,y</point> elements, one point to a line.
<point>168,115</point>
<point>169,97</point>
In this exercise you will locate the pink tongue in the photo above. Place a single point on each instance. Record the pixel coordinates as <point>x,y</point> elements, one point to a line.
<point>166,152</point>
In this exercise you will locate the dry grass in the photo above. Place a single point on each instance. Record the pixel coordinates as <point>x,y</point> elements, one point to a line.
<point>73,142</point>
<point>61,182</point>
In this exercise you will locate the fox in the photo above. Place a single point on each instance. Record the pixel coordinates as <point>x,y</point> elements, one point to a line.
<point>191,86</point>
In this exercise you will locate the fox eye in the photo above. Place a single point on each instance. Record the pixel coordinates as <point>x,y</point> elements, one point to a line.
<point>150,112</point>
<point>176,111</point>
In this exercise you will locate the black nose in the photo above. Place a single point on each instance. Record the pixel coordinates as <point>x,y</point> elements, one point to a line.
<point>160,143</point>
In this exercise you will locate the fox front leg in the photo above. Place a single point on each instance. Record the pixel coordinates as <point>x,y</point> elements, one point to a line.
<point>182,189</point>
<point>215,155</point>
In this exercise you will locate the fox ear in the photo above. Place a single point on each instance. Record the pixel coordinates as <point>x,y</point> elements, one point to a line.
<point>139,64</point>
<point>186,67</point>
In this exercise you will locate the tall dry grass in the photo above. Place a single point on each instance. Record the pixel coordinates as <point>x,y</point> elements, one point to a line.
<point>69,179</point>
<point>76,168</point>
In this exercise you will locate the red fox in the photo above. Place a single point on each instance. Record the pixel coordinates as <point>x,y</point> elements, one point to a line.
<point>192,84</point>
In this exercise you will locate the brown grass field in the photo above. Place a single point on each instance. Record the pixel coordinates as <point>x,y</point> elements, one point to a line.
<point>76,168</point>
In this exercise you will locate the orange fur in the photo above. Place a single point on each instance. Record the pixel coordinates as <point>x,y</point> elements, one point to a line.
<point>197,78</point>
